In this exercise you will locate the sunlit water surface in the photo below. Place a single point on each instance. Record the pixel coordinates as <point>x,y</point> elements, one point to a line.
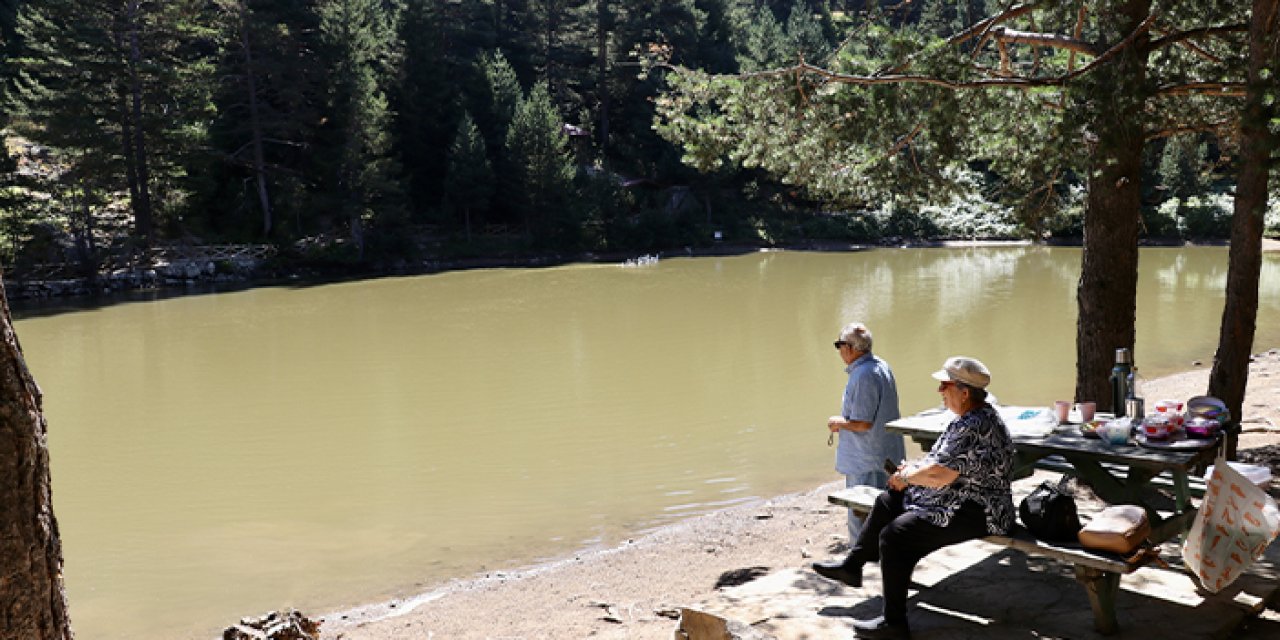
<point>222,455</point>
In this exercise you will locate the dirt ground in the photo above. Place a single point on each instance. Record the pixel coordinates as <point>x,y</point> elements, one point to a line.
<point>634,591</point>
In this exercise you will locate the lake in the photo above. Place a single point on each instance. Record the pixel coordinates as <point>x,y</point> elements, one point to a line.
<point>320,446</point>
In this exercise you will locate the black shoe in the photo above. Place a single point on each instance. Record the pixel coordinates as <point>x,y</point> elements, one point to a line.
<point>878,628</point>
<point>850,574</point>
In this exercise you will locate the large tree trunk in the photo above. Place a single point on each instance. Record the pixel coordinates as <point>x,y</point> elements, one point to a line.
<point>1230,373</point>
<point>603,23</point>
<point>255,123</point>
<point>142,218</point>
<point>1107,292</point>
<point>33,603</point>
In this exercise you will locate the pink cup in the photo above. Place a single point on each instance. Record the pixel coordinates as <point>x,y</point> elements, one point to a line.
<point>1087,410</point>
<point>1061,409</point>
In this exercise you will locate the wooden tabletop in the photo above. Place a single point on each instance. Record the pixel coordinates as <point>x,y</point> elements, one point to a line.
<point>1065,440</point>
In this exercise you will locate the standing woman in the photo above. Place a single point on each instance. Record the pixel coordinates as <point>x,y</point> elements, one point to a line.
<point>959,491</point>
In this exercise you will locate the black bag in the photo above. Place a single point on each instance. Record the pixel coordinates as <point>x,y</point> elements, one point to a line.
<point>1049,513</point>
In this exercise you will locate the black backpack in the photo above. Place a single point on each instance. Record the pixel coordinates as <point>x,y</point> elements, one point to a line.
<point>1049,512</point>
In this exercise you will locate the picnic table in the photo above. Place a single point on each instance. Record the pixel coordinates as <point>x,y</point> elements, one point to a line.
<point>1118,474</point>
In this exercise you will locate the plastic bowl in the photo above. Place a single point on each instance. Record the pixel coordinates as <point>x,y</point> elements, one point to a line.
<point>1157,430</point>
<point>1199,427</point>
<point>1168,406</point>
<point>1114,432</point>
<point>1208,407</point>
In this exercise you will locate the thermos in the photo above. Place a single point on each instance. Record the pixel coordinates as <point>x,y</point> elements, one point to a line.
<point>1133,402</point>
<point>1120,381</point>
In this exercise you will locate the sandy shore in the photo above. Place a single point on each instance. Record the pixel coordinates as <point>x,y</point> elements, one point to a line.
<point>635,590</point>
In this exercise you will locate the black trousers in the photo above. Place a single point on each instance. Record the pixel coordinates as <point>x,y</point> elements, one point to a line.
<point>898,539</point>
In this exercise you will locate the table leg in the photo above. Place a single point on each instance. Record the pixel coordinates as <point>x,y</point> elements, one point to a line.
<point>1102,587</point>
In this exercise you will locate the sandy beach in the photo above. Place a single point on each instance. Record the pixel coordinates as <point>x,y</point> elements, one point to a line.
<point>635,590</point>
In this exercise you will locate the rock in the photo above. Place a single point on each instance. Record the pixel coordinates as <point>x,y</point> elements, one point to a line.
<point>700,625</point>
<point>274,625</point>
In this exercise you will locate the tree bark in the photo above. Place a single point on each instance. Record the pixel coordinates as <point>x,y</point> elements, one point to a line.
<point>1107,292</point>
<point>33,602</point>
<point>255,123</point>
<point>1230,373</point>
<point>142,219</point>
<point>603,21</point>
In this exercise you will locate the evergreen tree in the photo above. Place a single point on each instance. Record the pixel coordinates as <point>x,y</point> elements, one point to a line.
<point>492,102</point>
<point>425,102</point>
<point>1182,165</point>
<point>542,169</point>
<point>470,181</point>
<point>764,44</point>
<point>805,35</point>
<point>135,109</point>
<point>987,102</point>
<point>266,109</point>
<point>359,45</point>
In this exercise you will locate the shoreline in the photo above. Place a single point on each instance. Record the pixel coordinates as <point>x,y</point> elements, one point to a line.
<point>636,589</point>
<point>34,295</point>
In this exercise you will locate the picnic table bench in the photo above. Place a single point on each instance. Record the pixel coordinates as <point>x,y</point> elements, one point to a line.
<point>1098,571</point>
<point>1118,474</point>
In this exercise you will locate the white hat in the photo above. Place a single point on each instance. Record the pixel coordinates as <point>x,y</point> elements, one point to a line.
<point>969,371</point>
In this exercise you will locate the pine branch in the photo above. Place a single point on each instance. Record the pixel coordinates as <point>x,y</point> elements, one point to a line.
<point>1179,37</point>
<point>1010,36</point>
<point>1227,89</point>
<point>1178,130</point>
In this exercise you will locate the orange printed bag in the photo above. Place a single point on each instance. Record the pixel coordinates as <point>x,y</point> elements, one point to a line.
<point>1236,522</point>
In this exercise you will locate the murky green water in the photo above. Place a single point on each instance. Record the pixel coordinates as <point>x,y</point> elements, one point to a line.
<point>221,455</point>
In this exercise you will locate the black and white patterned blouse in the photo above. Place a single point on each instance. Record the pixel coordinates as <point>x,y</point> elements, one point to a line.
<point>978,446</point>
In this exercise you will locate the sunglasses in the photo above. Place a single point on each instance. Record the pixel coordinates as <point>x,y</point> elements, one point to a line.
<point>840,343</point>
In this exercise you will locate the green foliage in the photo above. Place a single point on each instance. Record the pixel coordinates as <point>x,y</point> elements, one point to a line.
<point>346,117</point>
<point>1183,171</point>
<point>764,44</point>
<point>542,169</point>
<point>132,116</point>
<point>469,185</point>
<point>360,49</point>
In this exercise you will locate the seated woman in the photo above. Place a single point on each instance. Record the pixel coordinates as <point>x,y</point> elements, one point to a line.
<point>959,491</point>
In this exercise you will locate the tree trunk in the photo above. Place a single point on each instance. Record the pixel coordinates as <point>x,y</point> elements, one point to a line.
<point>33,602</point>
<point>255,123</point>
<point>602,68</point>
<point>142,203</point>
<point>1107,292</point>
<point>1230,373</point>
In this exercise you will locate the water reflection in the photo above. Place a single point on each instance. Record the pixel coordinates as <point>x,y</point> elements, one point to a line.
<point>226,454</point>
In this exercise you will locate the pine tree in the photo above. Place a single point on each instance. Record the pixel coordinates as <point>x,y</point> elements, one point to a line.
<point>425,101</point>
<point>543,169</point>
<point>359,45</point>
<point>1182,167</point>
<point>470,181</point>
<point>266,107</point>
<point>133,114</point>
<point>493,105</point>
<point>764,45</point>
<point>805,36</point>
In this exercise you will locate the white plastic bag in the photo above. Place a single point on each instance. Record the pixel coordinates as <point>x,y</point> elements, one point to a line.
<point>1236,522</point>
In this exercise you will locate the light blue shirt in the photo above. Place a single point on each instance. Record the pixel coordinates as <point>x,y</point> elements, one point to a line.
<point>870,396</point>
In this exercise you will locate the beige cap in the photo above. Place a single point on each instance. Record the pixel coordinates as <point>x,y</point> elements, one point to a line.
<point>968,371</point>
